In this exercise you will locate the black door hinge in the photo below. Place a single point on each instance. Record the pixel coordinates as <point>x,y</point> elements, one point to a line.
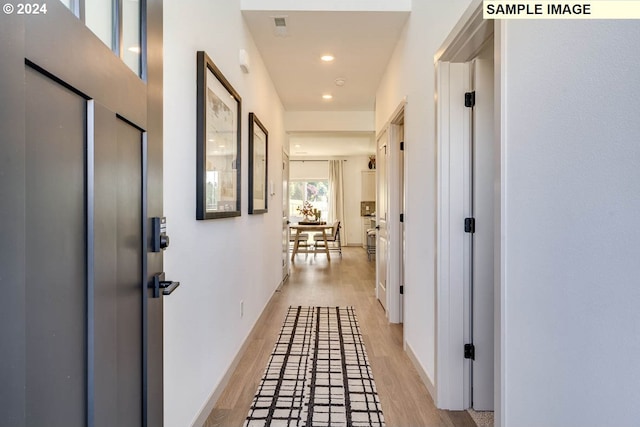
<point>469,225</point>
<point>470,99</point>
<point>401,217</point>
<point>469,351</point>
<point>401,289</point>
<point>402,146</point>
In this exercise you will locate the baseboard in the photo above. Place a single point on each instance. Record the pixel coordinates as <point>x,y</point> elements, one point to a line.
<point>421,372</point>
<point>206,409</point>
<point>280,286</point>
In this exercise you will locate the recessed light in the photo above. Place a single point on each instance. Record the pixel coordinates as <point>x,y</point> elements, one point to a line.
<point>327,58</point>
<point>134,49</point>
<point>340,81</point>
<point>297,145</point>
<point>327,96</point>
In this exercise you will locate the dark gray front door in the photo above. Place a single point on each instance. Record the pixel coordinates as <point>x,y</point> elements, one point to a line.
<point>80,178</point>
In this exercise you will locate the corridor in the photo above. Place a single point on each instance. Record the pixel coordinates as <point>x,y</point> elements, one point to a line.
<point>342,282</point>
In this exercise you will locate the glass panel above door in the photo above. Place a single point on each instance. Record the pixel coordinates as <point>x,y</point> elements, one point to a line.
<point>117,23</point>
<point>72,5</point>
<point>131,34</point>
<point>98,17</point>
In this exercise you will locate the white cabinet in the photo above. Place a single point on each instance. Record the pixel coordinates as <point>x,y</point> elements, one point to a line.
<point>366,224</point>
<point>368,193</point>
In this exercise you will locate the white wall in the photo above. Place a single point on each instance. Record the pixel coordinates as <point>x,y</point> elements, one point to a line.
<point>352,168</point>
<point>571,240</point>
<point>410,73</point>
<point>219,262</point>
<point>316,169</point>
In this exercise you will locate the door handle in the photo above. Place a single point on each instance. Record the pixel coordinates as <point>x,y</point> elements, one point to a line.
<point>159,283</point>
<point>168,287</point>
<point>377,227</point>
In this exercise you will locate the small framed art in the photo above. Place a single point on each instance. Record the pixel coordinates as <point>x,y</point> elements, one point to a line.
<point>258,157</point>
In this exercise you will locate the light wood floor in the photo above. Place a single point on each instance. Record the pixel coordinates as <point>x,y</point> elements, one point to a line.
<point>342,282</point>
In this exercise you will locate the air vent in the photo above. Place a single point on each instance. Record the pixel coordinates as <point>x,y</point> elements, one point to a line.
<point>280,29</point>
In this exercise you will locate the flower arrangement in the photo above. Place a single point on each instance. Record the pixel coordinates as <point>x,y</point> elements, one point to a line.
<point>306,210</point>
<point>372,161</point>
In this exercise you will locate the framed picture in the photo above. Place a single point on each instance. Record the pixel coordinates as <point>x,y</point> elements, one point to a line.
<point>218,143</point>
<point>258,155</point>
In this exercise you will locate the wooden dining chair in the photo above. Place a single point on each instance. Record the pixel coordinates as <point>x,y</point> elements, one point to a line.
<point>333,240</point>
<point>303,239</point>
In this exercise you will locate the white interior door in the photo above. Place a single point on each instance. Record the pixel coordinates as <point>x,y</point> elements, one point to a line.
<point>382,243</point>
<point>401,207</point>
<point>285,216</point>
<point>455,304</point>
<point>483,255</point>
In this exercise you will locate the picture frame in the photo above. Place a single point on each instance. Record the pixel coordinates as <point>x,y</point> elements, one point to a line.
<point>218,169</point>
<point>258,165</point>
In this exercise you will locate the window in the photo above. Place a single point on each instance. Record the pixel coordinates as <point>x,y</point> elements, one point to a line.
<point>117,23</point>
<point>315,192</point>
<point>98,17</point>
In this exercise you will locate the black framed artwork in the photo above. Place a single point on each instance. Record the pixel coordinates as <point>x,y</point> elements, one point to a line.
<point>258,160</point>
<point>218,143</point>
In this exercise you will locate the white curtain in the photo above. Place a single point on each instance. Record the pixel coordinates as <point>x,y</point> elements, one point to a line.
<point>336,195</point>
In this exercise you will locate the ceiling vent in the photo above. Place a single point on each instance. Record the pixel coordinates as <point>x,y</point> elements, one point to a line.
<point>280,23</point>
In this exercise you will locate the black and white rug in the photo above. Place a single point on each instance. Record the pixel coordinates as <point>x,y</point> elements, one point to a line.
<point>318,374</point>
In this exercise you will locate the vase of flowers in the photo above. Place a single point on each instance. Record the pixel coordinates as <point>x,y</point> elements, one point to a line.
<point>307,211</point>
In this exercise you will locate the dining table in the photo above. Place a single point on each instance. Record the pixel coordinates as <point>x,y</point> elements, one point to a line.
<point>306,227</point>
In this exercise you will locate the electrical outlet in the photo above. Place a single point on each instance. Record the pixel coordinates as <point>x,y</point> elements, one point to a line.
<point>241,308</point>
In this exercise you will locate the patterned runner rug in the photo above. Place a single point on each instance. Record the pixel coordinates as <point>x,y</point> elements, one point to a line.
<point>318,374</point>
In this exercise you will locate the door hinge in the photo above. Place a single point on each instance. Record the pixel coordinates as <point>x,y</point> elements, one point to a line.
<point>401,217</point>
<point>470,99</point>
<point>402,146</point>
<point>469,225</point>
<point>401,289</point>
<point>470,351</point>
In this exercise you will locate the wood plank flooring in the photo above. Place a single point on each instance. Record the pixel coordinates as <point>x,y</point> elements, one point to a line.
<point>341,282</point>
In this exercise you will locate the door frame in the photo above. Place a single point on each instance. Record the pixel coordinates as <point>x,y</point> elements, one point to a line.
<point>465,41</point>
<point>394,268</point>
<point>284,184</point>
<point>402,200</point>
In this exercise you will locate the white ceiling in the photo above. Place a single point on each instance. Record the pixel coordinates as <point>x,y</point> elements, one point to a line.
<point>331,144</point>
<point>362,43</point>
